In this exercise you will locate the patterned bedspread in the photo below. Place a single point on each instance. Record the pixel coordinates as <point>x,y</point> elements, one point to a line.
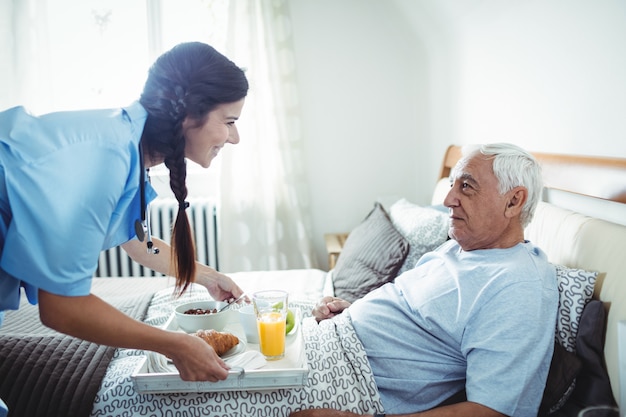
<point>340,376</point>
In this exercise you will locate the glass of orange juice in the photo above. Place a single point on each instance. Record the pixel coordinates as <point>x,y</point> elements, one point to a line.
<point>270,308</point>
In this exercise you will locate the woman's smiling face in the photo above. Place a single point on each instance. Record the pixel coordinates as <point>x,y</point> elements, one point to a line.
<point>203,141</point>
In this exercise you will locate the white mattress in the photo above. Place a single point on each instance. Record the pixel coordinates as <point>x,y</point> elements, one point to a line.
<point>301,284</point>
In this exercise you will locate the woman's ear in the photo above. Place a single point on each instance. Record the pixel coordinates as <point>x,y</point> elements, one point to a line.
<point>517,199</point>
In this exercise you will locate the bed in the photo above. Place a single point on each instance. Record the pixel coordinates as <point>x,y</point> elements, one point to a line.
<point>579,223</point>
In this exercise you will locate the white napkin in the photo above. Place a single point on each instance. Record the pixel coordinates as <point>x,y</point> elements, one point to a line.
<point>251,359</point>
<point>248,360</point>
<point>159,364</point>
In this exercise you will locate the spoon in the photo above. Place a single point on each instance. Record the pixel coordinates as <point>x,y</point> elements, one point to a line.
<point>231,303</point>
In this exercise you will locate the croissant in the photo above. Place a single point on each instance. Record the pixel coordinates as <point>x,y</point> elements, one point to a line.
<point>220,341</point>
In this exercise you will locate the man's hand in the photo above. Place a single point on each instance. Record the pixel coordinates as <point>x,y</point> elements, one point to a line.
<point>329,307</point>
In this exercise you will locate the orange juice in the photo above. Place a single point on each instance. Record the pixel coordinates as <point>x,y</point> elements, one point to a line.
<point>272,334</point>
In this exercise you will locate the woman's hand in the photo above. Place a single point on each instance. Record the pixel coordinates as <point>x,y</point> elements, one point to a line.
<point>196,360</point>
<point>92,319</point>
<point>329,307</point>
<point>220,286</point>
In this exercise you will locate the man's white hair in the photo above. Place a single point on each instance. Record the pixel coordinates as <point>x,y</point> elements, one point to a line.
<point>513,167</point>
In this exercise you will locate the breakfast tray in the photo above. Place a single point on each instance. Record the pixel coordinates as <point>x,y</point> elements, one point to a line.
<point>289,372</point>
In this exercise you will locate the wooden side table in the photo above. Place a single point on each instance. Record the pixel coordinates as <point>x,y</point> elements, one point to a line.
<point>334,245</point>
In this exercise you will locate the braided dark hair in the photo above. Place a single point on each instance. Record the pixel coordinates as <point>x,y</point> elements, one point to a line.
<point>189,80</point>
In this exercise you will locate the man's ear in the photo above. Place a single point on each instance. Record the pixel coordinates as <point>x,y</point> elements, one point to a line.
<point>517,199</point>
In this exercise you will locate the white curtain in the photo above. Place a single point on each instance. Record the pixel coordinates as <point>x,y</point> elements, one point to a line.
<point>24,46</point>
<point>264,221</point>
<point>71,54</point>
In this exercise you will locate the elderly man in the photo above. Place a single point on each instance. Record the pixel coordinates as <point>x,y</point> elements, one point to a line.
<point>477,314</point>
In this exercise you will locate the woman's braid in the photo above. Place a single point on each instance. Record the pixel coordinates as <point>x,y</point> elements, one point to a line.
<point>183,255</point>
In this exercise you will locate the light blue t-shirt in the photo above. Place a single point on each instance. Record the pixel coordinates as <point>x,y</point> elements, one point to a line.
<point>482,320</point>
<point>69,188</point>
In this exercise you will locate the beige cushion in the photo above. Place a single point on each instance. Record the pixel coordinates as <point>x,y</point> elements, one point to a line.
<point>441,191</point>
<point>579,241</point>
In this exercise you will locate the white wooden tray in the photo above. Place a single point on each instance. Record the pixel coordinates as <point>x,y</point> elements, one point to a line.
<point>289,372</point>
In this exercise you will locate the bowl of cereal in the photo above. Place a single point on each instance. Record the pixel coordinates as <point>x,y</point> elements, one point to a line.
<point>201,315</point>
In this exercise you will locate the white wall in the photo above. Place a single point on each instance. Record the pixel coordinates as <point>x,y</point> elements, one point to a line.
<point>361,80</point>
<point>549,75</point>
<point>559,83</point>
<point>386,85</point>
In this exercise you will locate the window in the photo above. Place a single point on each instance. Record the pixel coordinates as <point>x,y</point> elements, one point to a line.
<point>97,55</point>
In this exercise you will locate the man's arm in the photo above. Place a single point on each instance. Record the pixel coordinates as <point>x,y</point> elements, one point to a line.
<point>465,409</point>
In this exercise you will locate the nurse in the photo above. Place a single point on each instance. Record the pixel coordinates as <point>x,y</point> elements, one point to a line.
<point>74,183</point>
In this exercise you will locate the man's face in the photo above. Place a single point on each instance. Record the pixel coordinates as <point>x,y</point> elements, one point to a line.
<point>478,217</point>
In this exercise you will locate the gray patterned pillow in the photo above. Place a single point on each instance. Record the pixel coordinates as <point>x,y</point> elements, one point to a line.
<point>371,256</point>
<point>575,290</point>
<point>425,228</point>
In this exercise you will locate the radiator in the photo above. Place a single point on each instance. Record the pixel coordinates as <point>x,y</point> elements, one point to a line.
<point>203,220</point>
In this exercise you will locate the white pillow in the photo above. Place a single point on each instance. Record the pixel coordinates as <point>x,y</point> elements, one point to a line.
<point>425,228</point>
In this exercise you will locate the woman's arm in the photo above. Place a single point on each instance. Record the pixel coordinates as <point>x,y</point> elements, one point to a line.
<point>220,286</point>
<point>159,262</point>
<point>90,318</point>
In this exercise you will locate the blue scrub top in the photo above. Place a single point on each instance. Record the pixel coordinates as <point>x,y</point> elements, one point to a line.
<point>69,188</point>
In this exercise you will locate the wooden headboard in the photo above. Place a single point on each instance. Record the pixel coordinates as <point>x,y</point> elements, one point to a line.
<point>594,176</point>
